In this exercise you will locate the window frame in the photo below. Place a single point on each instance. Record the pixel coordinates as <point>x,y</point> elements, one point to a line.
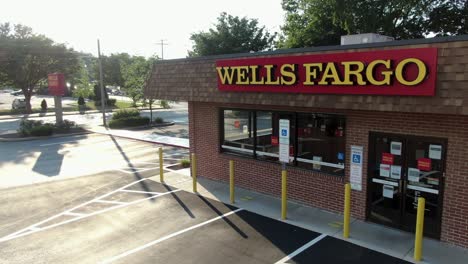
<point>295,117</point>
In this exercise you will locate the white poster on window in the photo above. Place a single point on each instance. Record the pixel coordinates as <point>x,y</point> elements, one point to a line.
<point>384,170</point>
<point>395,172</point>
<point>387,191</point>
<point>356,168</point>
<point>413,174</point>
<point>395,148</point>
<point>317,166</point>
<point>435,152</point>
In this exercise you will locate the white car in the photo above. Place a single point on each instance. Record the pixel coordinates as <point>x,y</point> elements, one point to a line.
<point>16,92</point>
<point>18,103</point>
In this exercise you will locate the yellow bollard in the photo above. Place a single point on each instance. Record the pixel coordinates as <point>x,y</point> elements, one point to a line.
<point>194,172</point>
<point>284,202</point>
<point>419,229</point>
<point>161,169</point>
<point>231,181</point>
<point>347,210</point>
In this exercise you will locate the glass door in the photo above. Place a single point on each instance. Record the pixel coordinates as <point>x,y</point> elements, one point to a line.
<point>402,169</point>
<point>425,170</point>
<point>386,164</point>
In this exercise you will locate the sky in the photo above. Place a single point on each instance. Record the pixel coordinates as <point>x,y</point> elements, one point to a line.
<point>134,26</point>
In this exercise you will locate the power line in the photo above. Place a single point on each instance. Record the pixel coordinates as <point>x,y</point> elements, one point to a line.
<point>162,44</point>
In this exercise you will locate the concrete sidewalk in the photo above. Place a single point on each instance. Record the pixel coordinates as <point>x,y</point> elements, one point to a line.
<point>52,113</point>
<point>146,135</point>
<point>386,240</point>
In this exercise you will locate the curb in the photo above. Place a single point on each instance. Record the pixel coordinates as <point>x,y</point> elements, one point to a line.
<point>139,139</point>
<point>69,113</point>
<point>146,126</point>
<point>47,137</point>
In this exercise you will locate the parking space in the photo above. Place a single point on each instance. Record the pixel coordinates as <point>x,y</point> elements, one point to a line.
<point>142,221</point>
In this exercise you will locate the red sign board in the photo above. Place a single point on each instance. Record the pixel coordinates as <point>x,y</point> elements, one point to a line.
<point>383,72</point>
<point>56,84</point>
<point>424,164</point>
<point>387,158</point>
<point>274,141</point>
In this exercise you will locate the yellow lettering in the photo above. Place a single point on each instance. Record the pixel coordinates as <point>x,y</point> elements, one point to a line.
<point>226,74</point>
<point>287,70</point>
<point>330,72</point>
<point>270,75</point>
<point>356,72</point>
<point>422,70</point>
<point>387,74</point>
<point>254,74</point>
<point>242,77</point>
<point>311,72</point>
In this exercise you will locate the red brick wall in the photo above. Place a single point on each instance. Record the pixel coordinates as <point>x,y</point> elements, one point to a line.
<point>326,191</point>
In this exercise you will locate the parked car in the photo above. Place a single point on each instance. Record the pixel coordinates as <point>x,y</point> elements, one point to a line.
<point>18,103</point>
<point>16,92</point>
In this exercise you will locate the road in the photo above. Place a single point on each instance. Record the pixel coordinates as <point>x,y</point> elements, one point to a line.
<point>6,99</point>
<point>178,113</point>
<point>29,162</point>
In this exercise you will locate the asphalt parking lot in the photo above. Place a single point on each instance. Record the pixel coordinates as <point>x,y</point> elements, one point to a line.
<point>115,217</point>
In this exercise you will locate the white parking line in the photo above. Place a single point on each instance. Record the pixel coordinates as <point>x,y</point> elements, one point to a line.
<point>299,250</point>
<point>133,191</point>
<point>73,214</point>
<point>35,227</point>
<point>109,202</point>
<point>152,243</point>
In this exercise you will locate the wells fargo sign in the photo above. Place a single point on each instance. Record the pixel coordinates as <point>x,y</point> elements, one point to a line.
<point>56,84</point>
<point>389,72</point>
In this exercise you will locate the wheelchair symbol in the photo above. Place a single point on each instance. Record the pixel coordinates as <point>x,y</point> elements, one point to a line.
<point>356,158</point>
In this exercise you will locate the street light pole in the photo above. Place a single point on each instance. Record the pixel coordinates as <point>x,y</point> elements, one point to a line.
<point>103,98</point>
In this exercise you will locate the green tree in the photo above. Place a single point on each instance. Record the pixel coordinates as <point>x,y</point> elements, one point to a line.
<point>322,22</point>
<point>30,57</point>
<point>134,73</point>
<point>448,17</point>
<point>232,35</point>
<point>112,68</point>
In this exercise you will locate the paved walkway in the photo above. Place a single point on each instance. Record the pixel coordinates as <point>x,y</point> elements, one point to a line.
<point>389,241</point>
<point>176,136</point>
<point>52,113</point>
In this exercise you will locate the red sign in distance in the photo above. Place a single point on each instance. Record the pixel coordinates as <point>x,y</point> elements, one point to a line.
<point>56,84</point>
<point>409,72</point>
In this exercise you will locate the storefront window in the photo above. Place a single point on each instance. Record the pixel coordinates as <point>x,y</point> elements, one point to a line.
<point>316,143</point>
<point>238,132</point>
<point>321,142</point>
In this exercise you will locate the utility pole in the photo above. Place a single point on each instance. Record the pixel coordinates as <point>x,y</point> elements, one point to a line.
<point>162,44</point>
<point>103,98</point>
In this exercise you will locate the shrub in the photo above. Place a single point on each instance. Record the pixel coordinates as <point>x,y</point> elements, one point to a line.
<point>159,120</point>
<point>125,113</point>
<point>26,126</point>
<point>185,163</point>
<point>81,100</point>
<point>65,126</point>
<point>109,102</point>
<point>164,104</point>
<point>129,122</point>
<point>44,105</point>
<point>44,130</point>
